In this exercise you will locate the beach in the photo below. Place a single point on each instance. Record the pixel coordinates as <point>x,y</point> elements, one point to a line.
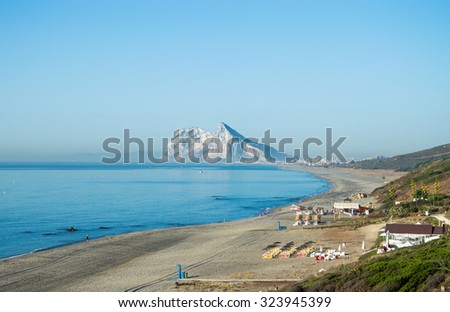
<point>220,256</point>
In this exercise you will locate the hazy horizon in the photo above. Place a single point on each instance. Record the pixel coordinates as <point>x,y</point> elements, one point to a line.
<point>76,73</point>
<point>95,157</point>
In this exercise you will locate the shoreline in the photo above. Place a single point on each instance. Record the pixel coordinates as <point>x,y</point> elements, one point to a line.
<point>148,259</point>
<point>272,209</point>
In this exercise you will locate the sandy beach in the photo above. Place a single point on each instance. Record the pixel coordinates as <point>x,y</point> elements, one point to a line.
<point>221,256</point>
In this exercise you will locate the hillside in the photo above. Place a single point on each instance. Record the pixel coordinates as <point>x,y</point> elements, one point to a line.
<point>420,268</point>
<point>434,177</point>
<point>405,162</point>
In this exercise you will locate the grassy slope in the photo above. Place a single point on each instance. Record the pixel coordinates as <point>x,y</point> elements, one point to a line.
<point>419,268</point>
<point>406,162</point>
<point>438,170</point>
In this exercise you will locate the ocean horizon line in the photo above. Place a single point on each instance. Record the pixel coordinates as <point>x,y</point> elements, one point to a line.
<point>96,165</point>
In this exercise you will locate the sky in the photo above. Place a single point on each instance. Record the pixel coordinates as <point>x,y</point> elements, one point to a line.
<point>73,73</point>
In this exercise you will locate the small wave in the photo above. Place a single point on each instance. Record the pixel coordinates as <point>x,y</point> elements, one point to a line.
<point>177,224</point>
<point>16,256</point>
<point>136,225</point>
<point>235,198</point>
<point>222,198</point>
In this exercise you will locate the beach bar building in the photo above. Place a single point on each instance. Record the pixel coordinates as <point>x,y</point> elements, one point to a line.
<point>418,233</point>
<point>347,208</point>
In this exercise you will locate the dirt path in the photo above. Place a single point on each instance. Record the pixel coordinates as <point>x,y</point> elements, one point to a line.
<point>442,218</point>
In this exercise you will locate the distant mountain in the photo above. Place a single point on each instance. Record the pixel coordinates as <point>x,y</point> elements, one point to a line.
<point>234,147</point>
<point>405,162</point>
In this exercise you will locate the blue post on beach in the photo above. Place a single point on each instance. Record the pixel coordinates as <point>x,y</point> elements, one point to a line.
<point>180,276</point>
<point>281,227</point>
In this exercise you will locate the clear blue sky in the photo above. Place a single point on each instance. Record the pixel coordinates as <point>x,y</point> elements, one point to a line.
<point>73,73</point>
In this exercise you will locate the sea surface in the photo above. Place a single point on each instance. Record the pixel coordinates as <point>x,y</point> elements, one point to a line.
<point>39,202</point>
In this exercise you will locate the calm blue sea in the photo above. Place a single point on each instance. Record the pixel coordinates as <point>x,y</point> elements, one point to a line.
<point>38,202</point>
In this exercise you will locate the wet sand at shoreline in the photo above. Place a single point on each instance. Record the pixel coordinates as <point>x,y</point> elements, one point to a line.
<point>146,261</point>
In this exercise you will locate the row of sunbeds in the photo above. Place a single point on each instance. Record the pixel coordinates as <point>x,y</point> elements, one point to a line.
<point>305,250</point>
<point>274,250</point>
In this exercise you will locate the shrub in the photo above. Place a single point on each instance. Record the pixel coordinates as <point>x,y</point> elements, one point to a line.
<point>407,269</point>
<point>433,282</point>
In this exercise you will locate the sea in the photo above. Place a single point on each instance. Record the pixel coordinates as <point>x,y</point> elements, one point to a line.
<point>47,205</point>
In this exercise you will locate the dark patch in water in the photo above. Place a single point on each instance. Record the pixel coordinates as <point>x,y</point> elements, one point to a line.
<point>68,229</point>
<point>48,234</point>
<point>177,224</point>
<point>103,228</point>
<point>232,198</point>
<point>27,232</point>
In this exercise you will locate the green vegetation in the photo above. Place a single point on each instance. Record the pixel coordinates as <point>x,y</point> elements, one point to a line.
<point>405,162</point>
<point>411,209</point>
<point>424,189</point>
<point>420,268</point>
<point>368,255</point>
<point>431,220</point>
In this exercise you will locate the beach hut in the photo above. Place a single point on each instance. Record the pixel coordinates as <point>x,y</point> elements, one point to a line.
<point>347,208</point>
<point>295,207</point>
<point>417,233</point>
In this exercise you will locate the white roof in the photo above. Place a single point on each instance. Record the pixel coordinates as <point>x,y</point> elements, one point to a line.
<point>346,205</point>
